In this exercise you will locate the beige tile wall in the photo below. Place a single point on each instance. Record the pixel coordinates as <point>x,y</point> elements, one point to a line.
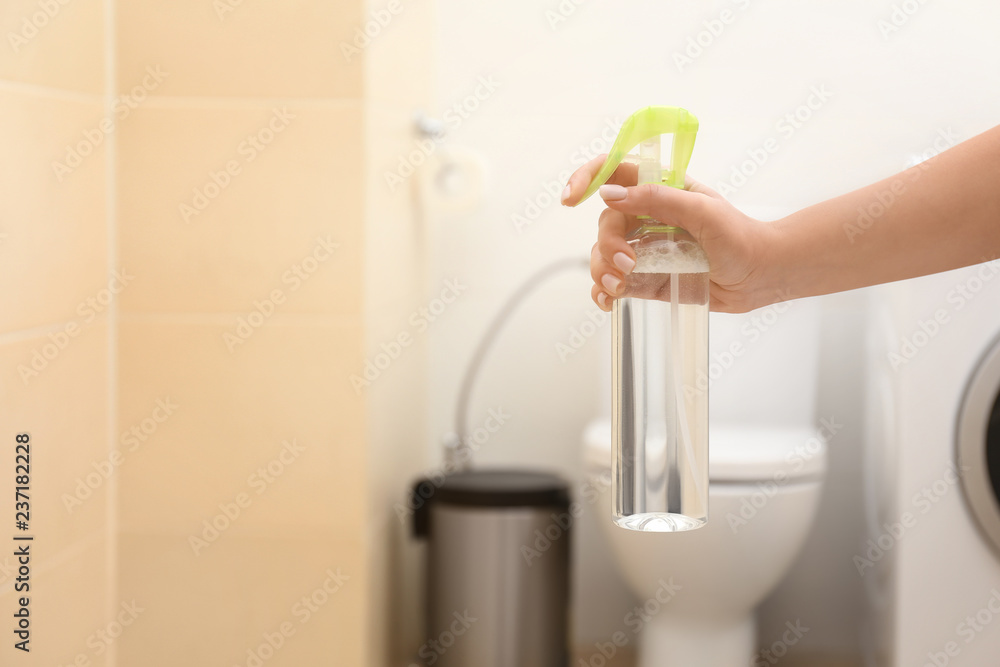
<point>246,50</point>
<point>274,421</point>
<point>54,224</point>
<point>54,326</point>
<point>241,208</point>
<point>281,205</point>
<point>284,601</point>
<point>59,44</point>
<point>64,409</point>
<point>260,261</point>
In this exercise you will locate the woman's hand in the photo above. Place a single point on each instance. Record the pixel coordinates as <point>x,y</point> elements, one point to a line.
<point>737,245</point>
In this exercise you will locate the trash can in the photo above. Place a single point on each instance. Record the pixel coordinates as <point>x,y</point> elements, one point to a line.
<point>497,570</point>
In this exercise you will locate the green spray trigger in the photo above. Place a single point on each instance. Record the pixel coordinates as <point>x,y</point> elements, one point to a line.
<point>643,125</point>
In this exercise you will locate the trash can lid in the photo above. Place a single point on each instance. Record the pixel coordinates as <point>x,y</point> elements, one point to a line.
<point>488,488</point>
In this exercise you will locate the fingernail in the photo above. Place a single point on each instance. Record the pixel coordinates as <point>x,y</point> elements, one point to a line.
<point>624,262</point>
<point>565,194</point>
<point>613,192</point>
<point>602,299</point>
<point>611,283</point>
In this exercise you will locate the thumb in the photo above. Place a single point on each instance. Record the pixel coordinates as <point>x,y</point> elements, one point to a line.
<point>692,185</point>
<point>670,206</point>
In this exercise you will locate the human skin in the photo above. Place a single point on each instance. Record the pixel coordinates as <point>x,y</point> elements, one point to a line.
<point>939,215</point>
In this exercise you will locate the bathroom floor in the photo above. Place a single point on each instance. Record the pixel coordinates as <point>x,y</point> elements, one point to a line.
<point>814,660</point>
<point>626,658</point>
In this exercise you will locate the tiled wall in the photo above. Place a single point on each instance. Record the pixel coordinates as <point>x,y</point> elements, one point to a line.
<point>191,301</point>
<point>54,328</point>
<point>241,214</point>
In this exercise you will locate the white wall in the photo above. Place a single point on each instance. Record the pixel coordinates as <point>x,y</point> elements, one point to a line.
<point>558,88</point>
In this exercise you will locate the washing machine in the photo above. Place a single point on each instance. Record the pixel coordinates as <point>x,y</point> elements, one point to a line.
<point>930,561</point>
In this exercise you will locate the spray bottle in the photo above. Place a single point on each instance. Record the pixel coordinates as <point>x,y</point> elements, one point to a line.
<point>660,340</point>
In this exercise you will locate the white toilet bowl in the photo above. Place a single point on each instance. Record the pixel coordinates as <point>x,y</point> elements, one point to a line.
<point>699,589</point>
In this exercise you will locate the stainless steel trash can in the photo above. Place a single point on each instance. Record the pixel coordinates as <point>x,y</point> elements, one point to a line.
<point>497,577</point>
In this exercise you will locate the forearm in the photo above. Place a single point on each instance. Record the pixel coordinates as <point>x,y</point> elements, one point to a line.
<point>942,214</point>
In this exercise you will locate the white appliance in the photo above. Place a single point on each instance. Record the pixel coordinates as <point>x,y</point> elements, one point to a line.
<point>931,561</point>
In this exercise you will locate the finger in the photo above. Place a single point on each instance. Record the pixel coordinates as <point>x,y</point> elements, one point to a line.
<point>698,187</point>
<point>612,228</point>
<point>670,206</point>
<point>625,174</point>
<point>612,223</point>
<point>606,276</point>
<point>601,298</point>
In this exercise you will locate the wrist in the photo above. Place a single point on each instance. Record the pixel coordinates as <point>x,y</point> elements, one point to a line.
<point>775,261</point>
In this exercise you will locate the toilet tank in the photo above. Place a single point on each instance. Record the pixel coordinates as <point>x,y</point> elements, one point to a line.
<point>764,365</point>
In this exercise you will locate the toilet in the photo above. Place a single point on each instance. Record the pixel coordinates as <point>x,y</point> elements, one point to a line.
<point>767,463</point>
<point>764,484</point>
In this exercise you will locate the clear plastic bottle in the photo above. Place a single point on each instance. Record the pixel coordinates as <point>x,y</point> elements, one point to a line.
<point>660,339</point>
<point>659,412</point>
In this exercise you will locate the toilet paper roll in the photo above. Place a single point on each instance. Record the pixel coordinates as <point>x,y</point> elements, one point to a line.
<point>453,181</point>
